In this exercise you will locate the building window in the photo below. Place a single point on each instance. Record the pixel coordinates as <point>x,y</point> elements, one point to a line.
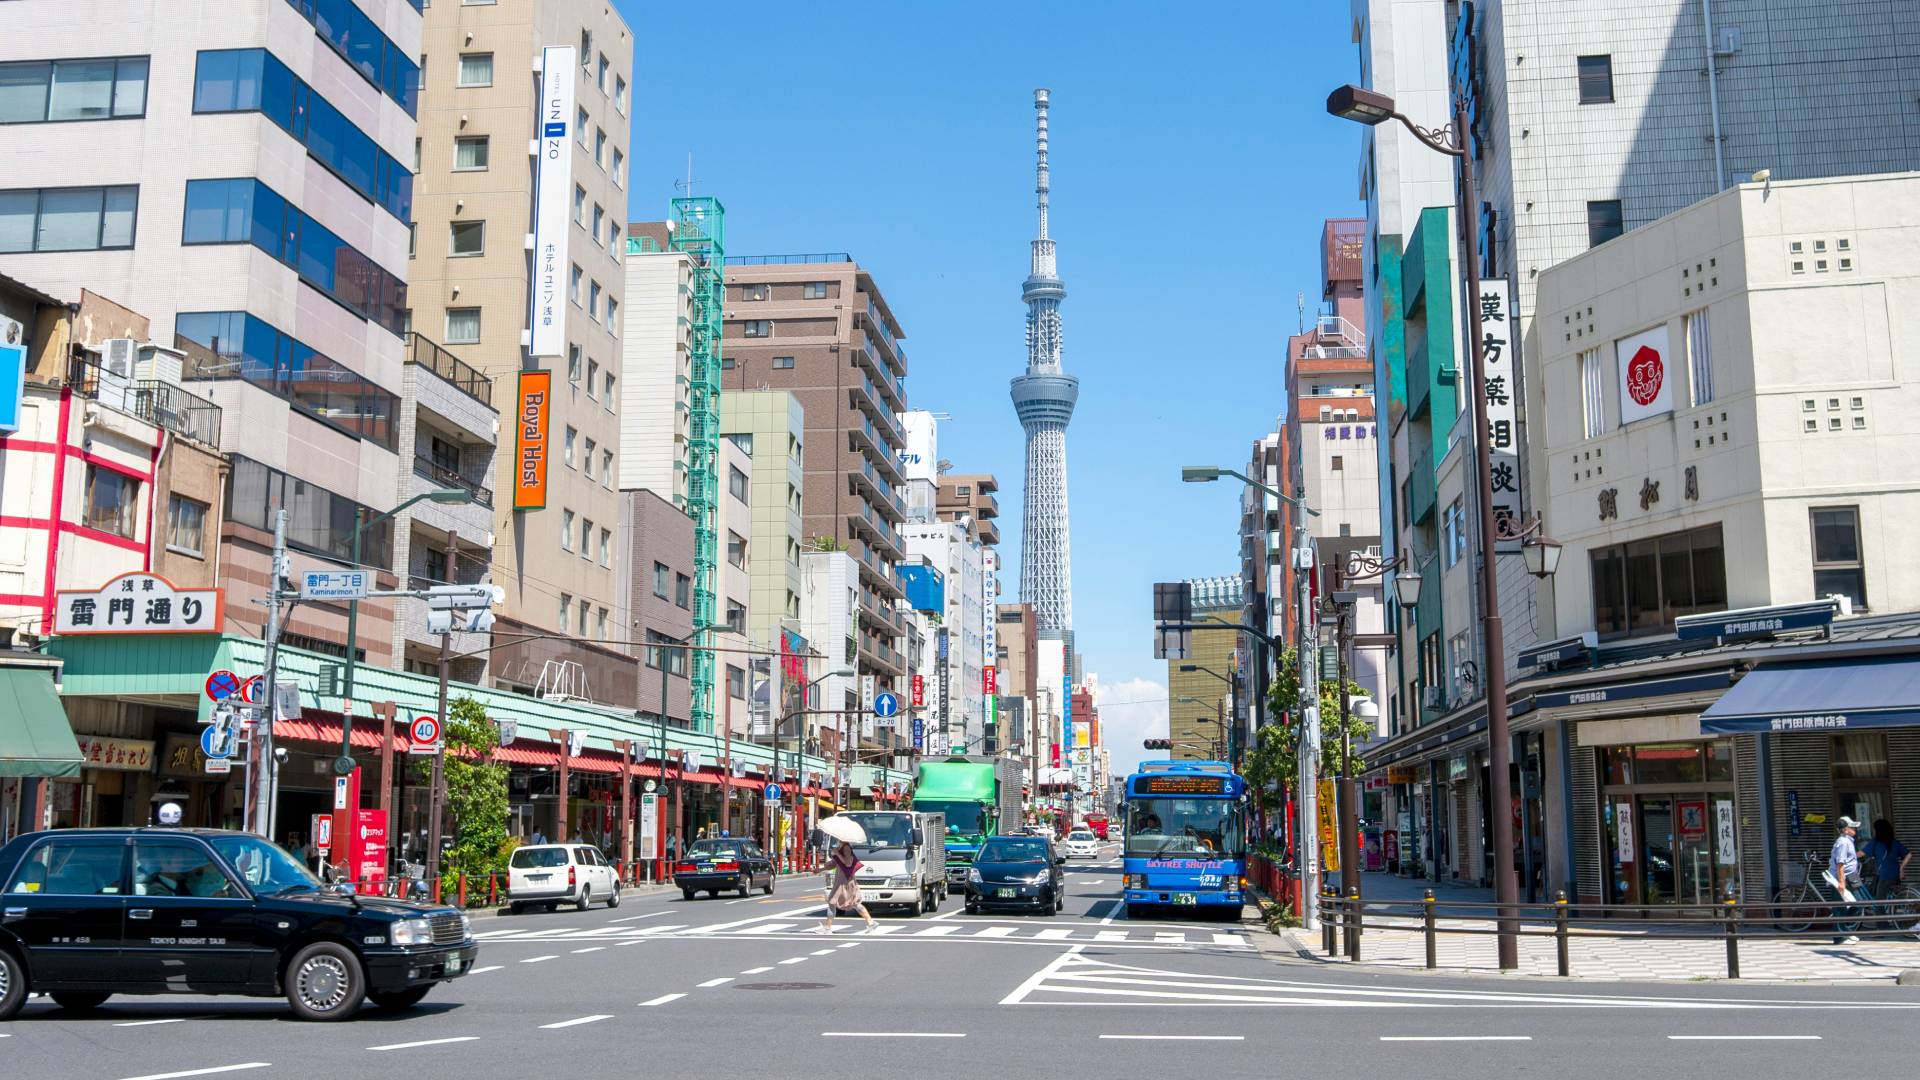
<point>737,483</point>
<point>101,88</point>
<point>579,205</point>
<point>600,624</point>
<point>682,590</point>
<point>1455,529</point>
<point>593,376</point>
<point>662,577</point>
<point>476,69</point>
<point>463,326</point>
<point>736,682</point>
<point>588,455</point>
<point>471,153</point>
<point>600,147</point>
<point>1861,775</point>
<point>466,239</point>
<point>619,169</point>
<point>1593,402</point>
<point>566,530</point>
<point>1596,79</point>
<point>566,610</point>
<point>1603,221</point>
<point>593,300</point>
<point>1700,356</point>
<point>186,525</point>
<point>613,240</point>
<point>613,316</point>
<point>620,95</point>
<point>1339,464</point>
<point>756,292</point>
<point>67,219</point>
<point>736,549</point>
<point>757,328</point>
<point>1641,587</point>
<point>606,467</point>
<point>586,538</point>
<point>586,609</point>
<point>574,277</point>
<point>567,447</point>
<point>236,345</point>
<point>357,38</point>
<point>573,363</point>
<point>606,396</point>
<point>599,222</point>
<point>737,616</point>
<point>813,290</point>
<point>1837,564</point>
<point>783,363</point>
<point>606,547</point>
<point>600,79</point>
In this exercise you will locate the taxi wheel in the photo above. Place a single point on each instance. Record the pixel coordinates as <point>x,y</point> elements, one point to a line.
<point>686,894</point>
<point>767,886</point>
<point>325,982</point>
<point>746,886</point>
<point>394,1000</point>
<point>613,897</point>
<point>586,898</point>
<point>80,1000</point>
<point>13,984</point>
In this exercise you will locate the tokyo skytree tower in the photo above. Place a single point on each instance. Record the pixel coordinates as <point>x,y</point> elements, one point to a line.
<point>1044,398</point>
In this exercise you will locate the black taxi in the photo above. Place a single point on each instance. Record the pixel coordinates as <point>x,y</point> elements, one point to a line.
<point>87,913</point>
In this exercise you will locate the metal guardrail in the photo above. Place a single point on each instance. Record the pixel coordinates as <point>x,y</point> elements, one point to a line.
<point>789,260</point>
<point>458,373</point>
<point>160,403</point>
<point>440,474</point>
<point>1344,922</point>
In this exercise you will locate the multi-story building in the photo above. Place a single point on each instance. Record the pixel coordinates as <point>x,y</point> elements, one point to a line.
<point>971,496</point>
<point>657,541</point>
<point>733,585</point>
<point>1199,702</point>
<point>770,427</point>
<point>656,376</point>
<point>818,327</point>
<point>1266,570</point>
<point>473,288</point>
<point>948,549</point>
<point>829,618</point>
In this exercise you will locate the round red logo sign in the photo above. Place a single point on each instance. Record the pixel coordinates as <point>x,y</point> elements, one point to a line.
<point>1645,372</point>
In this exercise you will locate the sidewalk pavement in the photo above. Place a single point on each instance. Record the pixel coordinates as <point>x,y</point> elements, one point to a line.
<point>1649,954</point>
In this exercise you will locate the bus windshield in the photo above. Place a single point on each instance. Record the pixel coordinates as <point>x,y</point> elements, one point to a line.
<point>1213,828</point>
<point>963,818</point>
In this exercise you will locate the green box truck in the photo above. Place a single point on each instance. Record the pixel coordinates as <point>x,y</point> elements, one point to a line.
<point>979,796</point>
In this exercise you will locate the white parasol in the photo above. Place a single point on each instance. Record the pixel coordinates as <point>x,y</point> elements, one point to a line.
<point>844,828</point>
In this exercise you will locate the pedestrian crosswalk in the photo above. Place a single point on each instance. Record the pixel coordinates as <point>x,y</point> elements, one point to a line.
<point>1136,937</point>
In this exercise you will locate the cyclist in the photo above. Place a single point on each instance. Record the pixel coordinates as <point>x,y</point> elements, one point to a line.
<point>1843,869</point>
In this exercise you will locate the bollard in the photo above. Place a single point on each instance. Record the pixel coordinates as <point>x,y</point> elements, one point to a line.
<point>463,891</point>
<point>1327,916</point>
<point>1354,918</point>
<point>436,890</point>
<point>1433,944</point>
<point>493,890</point>
<point>1560,932</point>
<point>1731,911</point>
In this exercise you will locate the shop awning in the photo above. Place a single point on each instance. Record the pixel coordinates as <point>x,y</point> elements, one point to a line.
<point>35,738</point>
<point>1819,695</point>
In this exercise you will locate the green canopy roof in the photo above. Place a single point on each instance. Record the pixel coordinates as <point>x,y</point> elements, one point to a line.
<point>35,738</point>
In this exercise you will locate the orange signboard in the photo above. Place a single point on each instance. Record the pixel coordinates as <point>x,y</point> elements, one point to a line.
<point>531,443</point>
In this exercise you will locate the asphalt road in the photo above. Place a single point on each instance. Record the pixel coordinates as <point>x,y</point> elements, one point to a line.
<point>733,987</point>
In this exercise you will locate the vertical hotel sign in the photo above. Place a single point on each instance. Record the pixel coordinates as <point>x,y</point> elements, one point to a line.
<point>1497,326</point>
<point>990,587</point>
<point>548,296</point>
<point>531,449</point>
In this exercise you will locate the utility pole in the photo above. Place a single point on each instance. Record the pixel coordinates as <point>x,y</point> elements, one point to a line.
<point>1307,827</point>
<point>435,797</point>
<point>264,773</point>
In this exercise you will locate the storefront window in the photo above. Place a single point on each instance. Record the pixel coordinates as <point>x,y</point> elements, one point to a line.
<point>1860,775</point>
<point>1667,820</point>
<point>1720,761</point>
<point>1667,763</point>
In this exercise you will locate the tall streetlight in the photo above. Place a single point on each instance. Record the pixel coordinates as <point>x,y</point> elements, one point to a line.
<point>1455,140</point>
<point>451,496</point>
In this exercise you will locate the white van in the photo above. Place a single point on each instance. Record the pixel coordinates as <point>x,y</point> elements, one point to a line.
<point>553,874</point>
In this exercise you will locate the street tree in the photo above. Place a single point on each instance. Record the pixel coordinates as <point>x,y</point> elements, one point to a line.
<point>1272,765</point>
<point>476,796</point>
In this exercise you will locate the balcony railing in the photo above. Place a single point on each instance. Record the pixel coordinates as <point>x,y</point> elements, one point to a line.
<point>455,371</point>
<point>162,404</point>
<point>440,474</point>
<point>789,260</point>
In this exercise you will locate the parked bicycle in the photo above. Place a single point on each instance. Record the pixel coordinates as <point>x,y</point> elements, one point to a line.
<point>1798,908</point>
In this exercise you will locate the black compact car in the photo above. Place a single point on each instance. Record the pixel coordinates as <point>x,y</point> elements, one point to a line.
<point>723,865</point>
<point>87,913</point>
<point>1016,872</point>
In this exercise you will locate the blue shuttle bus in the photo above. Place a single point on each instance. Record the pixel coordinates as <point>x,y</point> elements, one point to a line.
<point>1186,838</point>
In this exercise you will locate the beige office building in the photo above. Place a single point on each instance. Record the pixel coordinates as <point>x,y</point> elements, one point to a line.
<point>768,426</point>
<point>473,197</point>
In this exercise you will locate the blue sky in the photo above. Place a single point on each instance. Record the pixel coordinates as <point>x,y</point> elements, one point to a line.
<point>1192,166</point>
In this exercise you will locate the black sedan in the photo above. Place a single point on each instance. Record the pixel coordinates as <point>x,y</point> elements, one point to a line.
<point>724,865</point>
<point>88,913</point>
<point>1016,872</point>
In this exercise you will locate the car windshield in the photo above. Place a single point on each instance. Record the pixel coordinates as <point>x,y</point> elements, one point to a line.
<point>731,849</point>
<point>1006,849</point>
<point>1208,827</point>
<point>884,831</point>
<point>264,866</point>
<point>1081,836</point>
<point>963,818</point>
<point>531,858</point>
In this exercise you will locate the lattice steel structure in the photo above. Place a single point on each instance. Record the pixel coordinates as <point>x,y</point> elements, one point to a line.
<point>698,231</point>
<point>1044,398</point>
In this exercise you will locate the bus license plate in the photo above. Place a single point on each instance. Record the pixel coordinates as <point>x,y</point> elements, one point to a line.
<point>1005,894</point>
<point>1184,899</point>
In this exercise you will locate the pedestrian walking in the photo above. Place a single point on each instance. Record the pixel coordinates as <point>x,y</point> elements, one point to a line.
<point>843,892</point>
<point>1843,869</point>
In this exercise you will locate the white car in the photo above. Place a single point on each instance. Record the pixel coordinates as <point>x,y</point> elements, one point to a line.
<point>1082,844</point>
<point>554,874</point>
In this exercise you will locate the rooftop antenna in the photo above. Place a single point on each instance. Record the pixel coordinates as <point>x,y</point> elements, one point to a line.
<point>685,187</point>
<point>1299,299</point>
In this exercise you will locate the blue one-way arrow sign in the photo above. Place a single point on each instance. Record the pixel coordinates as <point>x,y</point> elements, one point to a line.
<point>885,705</point>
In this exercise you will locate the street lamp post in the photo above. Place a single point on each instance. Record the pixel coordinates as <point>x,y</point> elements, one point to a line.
<point>1367,107</point>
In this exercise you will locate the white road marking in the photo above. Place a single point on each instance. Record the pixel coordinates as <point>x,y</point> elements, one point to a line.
<point>848,945</point>
<point>1745,1038</point>
<point>484,970</point>
<point>595,948</point>
<point>794,960</point>
<point>577,1021</point>
<point>662,999</point>
<point>150,1023</point>
<point>1456,1038</point>
<point>756,971</point>
<point>883,929</point>
<point>203,1072</point>
<point>893,1034</point>
<point>1110,935</point>
<point>1113,914</point>
<point>1034,980</point>
<point>997,931</point>
<point>822,952</point>
<point>770,917</point>
<point>954,914</point>
<point>635,918</point>
<point>1230,939</point>
<point>936,931</point>
<point>495,935</point>
<point>773,928</point>
<point>537,959</point>
<point>1181,1038</point>
<point>1054,935</point>
<point>711,983</point>
<point>426,1042</point>
<point>636,941</point>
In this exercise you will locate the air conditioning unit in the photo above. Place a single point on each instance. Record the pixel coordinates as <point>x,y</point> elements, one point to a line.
<point>1433,697</point>
<point>11,332</point>
<point>117,356</point>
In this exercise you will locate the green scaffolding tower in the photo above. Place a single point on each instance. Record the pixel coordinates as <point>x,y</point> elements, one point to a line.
<point>697,231</point>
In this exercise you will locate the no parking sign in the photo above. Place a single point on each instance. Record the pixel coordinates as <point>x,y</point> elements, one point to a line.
<point>423,735</point>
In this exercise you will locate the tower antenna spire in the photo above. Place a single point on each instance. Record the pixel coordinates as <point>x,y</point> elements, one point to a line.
<point>1040,183</point>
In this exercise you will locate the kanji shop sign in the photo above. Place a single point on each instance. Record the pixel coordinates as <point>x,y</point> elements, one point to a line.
<point>139,603</point>
<point>99,752</point>
<point>1499,329</point>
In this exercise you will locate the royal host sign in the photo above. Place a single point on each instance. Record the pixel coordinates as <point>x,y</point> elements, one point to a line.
<point>551,217</point>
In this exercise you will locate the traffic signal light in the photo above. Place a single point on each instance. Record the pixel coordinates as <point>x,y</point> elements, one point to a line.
<point>1157,744</point>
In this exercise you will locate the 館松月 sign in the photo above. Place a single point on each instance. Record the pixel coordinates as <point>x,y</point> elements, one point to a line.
<point>1646,377</point>
<point>139,603</point>
<point>1498,328</point>
<point>531,441</point>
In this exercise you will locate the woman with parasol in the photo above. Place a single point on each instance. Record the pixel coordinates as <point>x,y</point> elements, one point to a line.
<point>843,891</point>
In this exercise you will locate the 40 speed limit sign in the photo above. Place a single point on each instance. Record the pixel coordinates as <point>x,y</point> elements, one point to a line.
<point>423,735</point>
